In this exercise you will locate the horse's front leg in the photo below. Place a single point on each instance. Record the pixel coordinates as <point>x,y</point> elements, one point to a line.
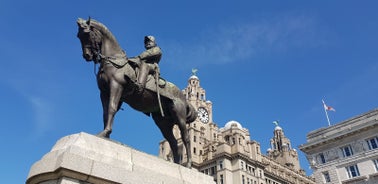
<point>111,102</point>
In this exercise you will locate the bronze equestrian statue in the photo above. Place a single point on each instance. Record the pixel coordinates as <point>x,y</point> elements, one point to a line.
<point>117,81</point>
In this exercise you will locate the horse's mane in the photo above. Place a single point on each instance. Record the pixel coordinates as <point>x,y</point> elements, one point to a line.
<point>104,30</point>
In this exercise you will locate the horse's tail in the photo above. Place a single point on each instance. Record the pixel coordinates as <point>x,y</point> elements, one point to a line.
<point>191,113</point>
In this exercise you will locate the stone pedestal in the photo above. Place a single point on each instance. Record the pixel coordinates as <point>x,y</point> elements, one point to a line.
<point>85,159</point>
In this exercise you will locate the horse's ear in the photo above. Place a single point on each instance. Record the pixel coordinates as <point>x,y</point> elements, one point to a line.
<point>89,20</point>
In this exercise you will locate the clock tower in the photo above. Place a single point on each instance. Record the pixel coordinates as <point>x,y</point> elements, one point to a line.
<point>202,132</point>
<point>196,95</point>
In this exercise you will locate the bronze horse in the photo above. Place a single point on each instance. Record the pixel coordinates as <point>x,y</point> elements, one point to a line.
<point>116,80</point>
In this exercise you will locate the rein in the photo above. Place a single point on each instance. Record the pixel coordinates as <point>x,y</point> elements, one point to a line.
<point>117,62</point>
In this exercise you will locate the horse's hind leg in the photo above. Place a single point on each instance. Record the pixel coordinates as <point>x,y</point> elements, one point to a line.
<point>186,140</point>
<point>166,128</point>
<point>179,115</point>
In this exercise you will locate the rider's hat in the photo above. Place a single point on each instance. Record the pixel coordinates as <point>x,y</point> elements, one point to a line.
<point>149,38</point>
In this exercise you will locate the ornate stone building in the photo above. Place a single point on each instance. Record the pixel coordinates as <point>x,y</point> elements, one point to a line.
<point>346,152</point>
<point>228,153</point>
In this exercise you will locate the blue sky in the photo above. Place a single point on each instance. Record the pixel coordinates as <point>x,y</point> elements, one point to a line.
<point>259,61</point>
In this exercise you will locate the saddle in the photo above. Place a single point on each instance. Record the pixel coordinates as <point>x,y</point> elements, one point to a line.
<point>166,88</point>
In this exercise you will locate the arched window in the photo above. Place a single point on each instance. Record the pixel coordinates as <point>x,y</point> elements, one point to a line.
<point>227,139</point>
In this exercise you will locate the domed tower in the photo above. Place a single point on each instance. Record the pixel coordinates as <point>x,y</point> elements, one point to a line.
<point>281,149</point>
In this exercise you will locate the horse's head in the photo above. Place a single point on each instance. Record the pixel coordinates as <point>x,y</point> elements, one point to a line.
<point>90,39</point>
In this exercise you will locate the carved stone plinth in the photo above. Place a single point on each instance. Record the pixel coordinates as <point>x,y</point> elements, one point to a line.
<point>84,158</point>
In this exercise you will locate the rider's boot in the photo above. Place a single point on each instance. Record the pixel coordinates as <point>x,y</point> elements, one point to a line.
<point>142,77</point>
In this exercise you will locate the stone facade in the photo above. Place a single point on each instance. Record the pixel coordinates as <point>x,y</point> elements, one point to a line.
<point>229,155</point>
<point>87,159</point>
<point>346,152</point>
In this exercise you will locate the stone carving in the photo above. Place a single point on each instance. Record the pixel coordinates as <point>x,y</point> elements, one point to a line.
<point>117,81</point>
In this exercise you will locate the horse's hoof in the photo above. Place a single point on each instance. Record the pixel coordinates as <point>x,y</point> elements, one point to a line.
<point>189,165</point>
<point>104,134</point>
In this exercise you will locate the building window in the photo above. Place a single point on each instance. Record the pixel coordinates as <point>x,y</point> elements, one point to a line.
<point>221,179</point>
<point>242,165</point>
<point>227,139</point>
<point>326,176</point>
<point>243,182</point>
<point>322,158</point>
<point>194,150</point>
<point>207,171</point>
<point>202,131</point>
<point>352,171</point>
<point>347,151</point>
<point>220,164</point>
<point>212,170</point>
<point>375,162</point>
<point>372,143</point>
<point>194,139</point>
<point>260,173</point>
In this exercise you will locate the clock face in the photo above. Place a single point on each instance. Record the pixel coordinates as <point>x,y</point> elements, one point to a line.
<point>203,115</point>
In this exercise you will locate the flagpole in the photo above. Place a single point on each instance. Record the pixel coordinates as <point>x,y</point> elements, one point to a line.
<point>325,110</point>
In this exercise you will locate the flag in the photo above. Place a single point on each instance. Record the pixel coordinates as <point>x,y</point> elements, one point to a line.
<point>328,108</point>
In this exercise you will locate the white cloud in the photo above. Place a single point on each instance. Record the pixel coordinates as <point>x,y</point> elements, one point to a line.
<point>43,111</point>
<point>359,89</point>
<point>37,99</point>
<point>247,41</point>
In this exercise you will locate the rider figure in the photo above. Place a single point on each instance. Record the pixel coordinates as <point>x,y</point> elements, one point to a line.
<point>147,61</point>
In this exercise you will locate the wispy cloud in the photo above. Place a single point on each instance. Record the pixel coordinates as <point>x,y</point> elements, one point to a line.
<point>43,112</point>
<point>358,89</point>
<point>37,99</point>
<point>355,95</point>
<point>246,41</point>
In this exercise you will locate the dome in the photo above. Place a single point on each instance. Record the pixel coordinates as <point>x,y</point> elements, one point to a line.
<point>193,77</point>
<point>278,128</point>
<point>231,124</point>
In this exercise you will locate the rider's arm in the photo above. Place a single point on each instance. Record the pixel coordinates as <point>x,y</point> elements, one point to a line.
<point>152,55</point>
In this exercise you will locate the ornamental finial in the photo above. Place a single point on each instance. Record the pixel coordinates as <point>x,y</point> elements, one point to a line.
<point>194,72</point>
<point>275,122</point>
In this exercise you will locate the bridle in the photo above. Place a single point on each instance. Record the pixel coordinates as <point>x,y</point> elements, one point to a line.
<point>95,48</point>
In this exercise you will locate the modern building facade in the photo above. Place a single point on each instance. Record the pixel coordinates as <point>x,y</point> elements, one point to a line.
<point>228,153</point>
<point>345,153</point>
